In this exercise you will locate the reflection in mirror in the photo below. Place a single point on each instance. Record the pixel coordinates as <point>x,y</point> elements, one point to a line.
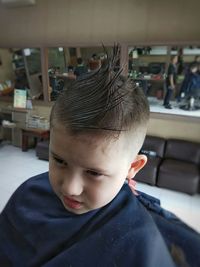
<point>69,64</point>
<point>32,61</point>
<point>21,69</point>
<point>169,76</point>
<point>7,73</point>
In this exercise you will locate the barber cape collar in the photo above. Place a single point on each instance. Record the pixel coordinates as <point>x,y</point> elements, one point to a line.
<point>36,230</point>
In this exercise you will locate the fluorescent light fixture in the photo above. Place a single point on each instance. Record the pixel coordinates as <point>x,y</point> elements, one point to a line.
<point>17,3</point>
<point>27,51</point>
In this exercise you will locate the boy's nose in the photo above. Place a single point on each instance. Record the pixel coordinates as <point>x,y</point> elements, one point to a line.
<point>72,186</point>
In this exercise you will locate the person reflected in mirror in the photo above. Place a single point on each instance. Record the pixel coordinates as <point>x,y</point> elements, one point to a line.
<point>80,69</point>
<point>21,81</point>
<point>171,81</point>
<point>191,82</point>
<point>94,62</point>
<point>71,74</point>
<point>197,61</point>
<point>180,64</point>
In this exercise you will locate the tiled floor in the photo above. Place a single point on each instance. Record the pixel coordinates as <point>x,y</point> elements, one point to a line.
<point>16,166</point>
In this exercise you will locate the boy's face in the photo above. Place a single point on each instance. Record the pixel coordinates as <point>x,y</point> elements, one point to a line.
<point>87,172</point>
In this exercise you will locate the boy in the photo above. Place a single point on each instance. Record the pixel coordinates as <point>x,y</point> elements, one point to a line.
<point>82,213</point>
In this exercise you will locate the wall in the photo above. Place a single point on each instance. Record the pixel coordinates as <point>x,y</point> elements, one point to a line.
<point>69,22</point>
<point>175,127</point>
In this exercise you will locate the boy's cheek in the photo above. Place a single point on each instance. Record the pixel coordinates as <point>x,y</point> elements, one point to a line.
<point>50,163</point>
<point>54,176</point>
<point>101,196</point>
<point>53,168</point>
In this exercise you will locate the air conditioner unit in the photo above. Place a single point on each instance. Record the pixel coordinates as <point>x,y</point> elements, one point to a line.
<point>17,3</point>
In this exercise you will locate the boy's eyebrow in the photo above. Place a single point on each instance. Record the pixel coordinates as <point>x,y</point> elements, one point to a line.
<point>54,154</point>
<point>92,169</point>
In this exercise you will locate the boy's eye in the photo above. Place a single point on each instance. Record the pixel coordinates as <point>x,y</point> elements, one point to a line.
<point>95,174</point>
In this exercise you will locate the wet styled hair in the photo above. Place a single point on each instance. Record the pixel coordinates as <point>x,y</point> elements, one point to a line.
<point>102,100</point>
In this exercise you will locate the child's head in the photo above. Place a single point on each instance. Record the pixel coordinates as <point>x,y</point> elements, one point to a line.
<point>98,126</point>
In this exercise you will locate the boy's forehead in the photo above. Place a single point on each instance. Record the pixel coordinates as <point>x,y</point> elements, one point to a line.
<point>125,144</point>
<point>90,137</point>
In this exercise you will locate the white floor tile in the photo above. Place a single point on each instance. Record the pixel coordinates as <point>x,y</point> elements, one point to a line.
<point>151,190</point>
<point>16,167</point>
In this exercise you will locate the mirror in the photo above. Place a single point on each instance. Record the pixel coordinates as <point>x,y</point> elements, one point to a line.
<point>66,64</point>
<point>7,74</point>
<point>151,66</point>
<point>32,61</point>
<point>21,69</point>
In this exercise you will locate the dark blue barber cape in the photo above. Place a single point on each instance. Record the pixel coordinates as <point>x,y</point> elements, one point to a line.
<point>36,230</point>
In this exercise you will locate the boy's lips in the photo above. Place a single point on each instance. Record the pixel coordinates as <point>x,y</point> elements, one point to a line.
<point>71,203</point>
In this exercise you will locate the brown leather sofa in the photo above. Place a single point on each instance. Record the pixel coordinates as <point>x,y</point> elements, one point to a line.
<point>153,148</point>
<point>172,164</point>
<point>180,166</point>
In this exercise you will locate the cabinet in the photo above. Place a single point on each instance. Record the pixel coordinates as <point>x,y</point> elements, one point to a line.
<point>20,117</point>
<point>5,133</point>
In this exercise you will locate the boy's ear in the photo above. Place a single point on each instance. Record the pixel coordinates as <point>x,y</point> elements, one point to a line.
<point>138,163</point>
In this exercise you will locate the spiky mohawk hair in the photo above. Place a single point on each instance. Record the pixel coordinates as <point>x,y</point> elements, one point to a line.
<point>101,100</point>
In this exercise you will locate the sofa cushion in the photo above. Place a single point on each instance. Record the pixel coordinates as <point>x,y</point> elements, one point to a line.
<point>153,145</point>
<point>183,150</point>
<point>179,175</point>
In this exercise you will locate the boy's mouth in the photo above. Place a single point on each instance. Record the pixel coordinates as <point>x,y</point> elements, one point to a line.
<point>71,203</point>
